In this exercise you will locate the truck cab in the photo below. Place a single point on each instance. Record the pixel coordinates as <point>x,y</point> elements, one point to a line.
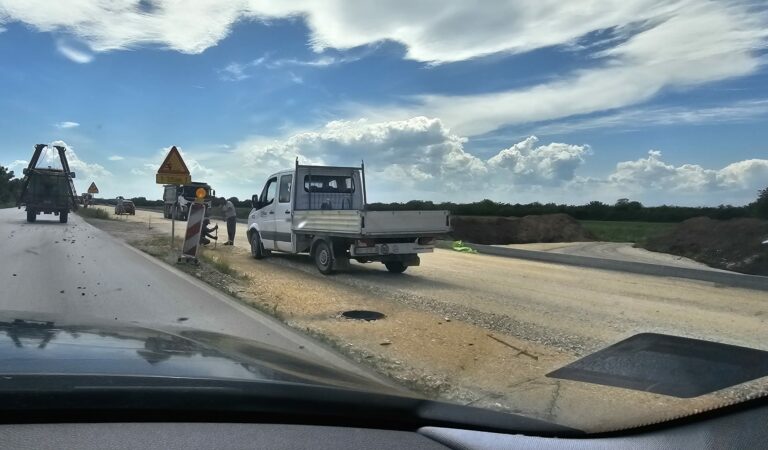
<point>320,210</point>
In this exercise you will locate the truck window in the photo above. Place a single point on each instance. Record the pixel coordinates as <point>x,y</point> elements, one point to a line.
<point>285,189</point>
<point>329,184</point>
<point>268,194</point>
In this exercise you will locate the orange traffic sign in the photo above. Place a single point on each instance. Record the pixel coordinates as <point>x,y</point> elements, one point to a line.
<point>92,189</point>
<point>173,170</point>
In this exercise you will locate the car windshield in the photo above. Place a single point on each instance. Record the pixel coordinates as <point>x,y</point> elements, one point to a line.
<point>552,209</point>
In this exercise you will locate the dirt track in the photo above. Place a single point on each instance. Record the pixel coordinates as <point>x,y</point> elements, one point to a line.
<point>440,315</point>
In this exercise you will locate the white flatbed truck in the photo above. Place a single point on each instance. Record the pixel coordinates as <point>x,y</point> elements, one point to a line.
<point>324,214</point>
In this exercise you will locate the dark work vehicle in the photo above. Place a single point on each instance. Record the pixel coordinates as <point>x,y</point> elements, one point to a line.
<point>171,194</point>
<point>48,190</point>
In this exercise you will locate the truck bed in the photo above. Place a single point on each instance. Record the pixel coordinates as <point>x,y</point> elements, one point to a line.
<point>355,223</point>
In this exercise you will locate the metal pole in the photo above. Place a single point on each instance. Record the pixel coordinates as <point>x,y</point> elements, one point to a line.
<point>173,225</point>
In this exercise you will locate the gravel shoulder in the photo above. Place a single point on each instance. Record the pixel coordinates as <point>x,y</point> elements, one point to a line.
<point>484,330</point>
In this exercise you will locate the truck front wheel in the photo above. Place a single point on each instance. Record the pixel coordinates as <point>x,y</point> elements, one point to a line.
<point>31,216</point>
<point>396,266</point>
<point>324,258</point>
<point>257,248</point>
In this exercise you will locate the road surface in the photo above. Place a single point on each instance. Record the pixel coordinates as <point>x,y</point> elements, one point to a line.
<point>79,272</point>
<point>573,308</point>
<point>440,318</point>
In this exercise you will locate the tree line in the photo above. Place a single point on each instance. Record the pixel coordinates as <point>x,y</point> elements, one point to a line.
<point>622,210</point>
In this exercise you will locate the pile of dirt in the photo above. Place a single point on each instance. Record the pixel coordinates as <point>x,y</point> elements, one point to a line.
<point>734,244</point>
<point>492,230</point>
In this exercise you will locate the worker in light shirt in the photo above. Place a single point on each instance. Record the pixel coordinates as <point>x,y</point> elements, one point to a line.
<point>230,214</point>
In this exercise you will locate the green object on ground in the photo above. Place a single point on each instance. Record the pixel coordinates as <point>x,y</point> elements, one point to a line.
<point>460,247</point>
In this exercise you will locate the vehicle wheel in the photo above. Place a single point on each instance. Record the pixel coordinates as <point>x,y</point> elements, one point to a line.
<point>396,266</point>
<point>324,258</point>
<point>257,249</point>
<point>31,216</point>
<point>133,213</point>
<point>63,216</point>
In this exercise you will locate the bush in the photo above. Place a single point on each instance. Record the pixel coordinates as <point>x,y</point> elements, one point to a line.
<point>94,213</point>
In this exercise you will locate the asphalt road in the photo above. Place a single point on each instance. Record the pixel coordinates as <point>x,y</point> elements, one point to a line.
<point>572,308</point>
<point>440,318</point>
<point>79,272</point>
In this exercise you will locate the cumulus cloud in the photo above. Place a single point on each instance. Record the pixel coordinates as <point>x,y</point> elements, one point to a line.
<point>82,169</point>
<point>419,152</point>
<point>66,124</point>
<point>652,173</point>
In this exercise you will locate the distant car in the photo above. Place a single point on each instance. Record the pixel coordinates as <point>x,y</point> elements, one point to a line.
<point>125,207</point>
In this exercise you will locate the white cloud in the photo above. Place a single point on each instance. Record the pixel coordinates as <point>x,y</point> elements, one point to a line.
<point>687,46</point>
<point>295,78</point>
<point>234,72</point>
<point>66,124</point>
<point>82,169</point>
<point>416,153</point>
<point>116,158</point>
<point>653,174</point>
<point>632,119</point>
<point>651,45</point>
<point>74,53</point>
<point>17,166</point>
<point>553,162</point>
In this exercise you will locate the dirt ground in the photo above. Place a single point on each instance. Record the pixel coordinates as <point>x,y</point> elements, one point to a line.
<point>619,251</point>
<point>483,330</point>
<point>734,244</point>
<point>519,230</point>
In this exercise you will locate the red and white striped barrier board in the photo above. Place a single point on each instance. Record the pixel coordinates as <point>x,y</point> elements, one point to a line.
<point>194,227</point>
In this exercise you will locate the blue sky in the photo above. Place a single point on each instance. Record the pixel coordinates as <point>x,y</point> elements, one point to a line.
<point>659,101</point>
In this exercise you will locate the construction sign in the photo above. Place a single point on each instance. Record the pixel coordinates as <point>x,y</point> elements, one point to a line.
<point>194,228</point>
<point>173,170</point>
<point>92,189</point>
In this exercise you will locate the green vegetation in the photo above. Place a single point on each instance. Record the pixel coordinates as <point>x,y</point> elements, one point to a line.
<point>626,231</point>
<point>9,188</point>
<point>94,213</point>
<point>219,265</point>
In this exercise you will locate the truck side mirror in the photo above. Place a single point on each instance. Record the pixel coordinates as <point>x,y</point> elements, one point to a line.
<point>25,171</point>
<point>255,202</point>
<point>72,174</point>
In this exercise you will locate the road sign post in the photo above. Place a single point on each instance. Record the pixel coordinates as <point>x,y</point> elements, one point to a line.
<point>174,171</point>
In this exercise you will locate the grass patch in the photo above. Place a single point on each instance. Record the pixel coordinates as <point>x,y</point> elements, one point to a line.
<point>94,213</point>
<point>219,265</point>
<point>637,232</point>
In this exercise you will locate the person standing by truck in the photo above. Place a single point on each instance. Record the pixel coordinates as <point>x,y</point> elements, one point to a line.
<point>230,214</point>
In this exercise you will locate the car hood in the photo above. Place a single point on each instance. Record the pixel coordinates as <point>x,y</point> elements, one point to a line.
<point>32,344</point>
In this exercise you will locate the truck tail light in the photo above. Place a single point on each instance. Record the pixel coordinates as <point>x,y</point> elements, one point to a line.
<point>365,243</point>
<point>426,241</point>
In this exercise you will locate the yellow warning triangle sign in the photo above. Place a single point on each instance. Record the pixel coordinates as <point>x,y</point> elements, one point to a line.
<point>92,189</point>
<point>173,164</point>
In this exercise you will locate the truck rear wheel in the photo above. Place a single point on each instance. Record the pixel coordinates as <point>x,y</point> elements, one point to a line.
<point>31,216</point>
<point>323,258</point>
<point>396,266</point>
<point>63,216</point>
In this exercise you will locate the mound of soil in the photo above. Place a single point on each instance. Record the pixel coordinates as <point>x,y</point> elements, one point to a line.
<point>492,230</point>
<point>734,244</point>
